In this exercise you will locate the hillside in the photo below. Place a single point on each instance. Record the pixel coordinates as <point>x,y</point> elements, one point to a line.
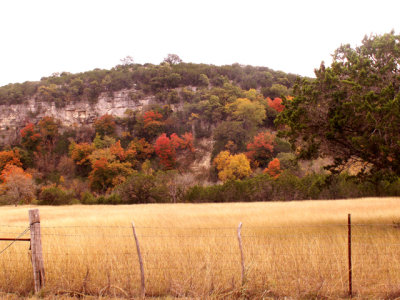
<point>82,136</point>
<point>78,99</point>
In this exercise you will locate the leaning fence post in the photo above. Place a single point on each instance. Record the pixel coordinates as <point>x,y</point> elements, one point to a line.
<point>241,252</point>
<point>142,286</point>
<point>36,248</point>
<point>349,254</point>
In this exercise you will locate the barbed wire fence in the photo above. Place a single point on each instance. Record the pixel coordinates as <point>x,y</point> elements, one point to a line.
<point>95,259</point>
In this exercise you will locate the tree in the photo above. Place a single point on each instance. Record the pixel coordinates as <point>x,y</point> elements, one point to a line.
<point>351,111</point>
<point>48,129</point>
<point>143,149</point>
<point>10,157</point>
<point>232,167</point>
<point>276,104</point>
<point>250,113</point>
<point>127,60</point>
<point>261,149</point>
<point>172,59</point>
<point>166,151</point>
<point>30,138</point>
<point>105,174</point>
<point>143,188</point>
<point>274,168</point>
<point>105,125</point>
<point>153,123</point>
<point>277,90</point>
<point>230,132</point>
<point>166,147</point>
<point>80,154</point>
<point>17,185</point>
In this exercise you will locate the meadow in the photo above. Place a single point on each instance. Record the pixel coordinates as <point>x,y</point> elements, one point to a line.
<point>291,249</point>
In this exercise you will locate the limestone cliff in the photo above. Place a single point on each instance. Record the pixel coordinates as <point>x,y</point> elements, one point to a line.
<point>14,117</point>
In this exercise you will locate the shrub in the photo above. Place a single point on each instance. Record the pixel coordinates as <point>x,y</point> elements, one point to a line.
<point>55,196</point>
<point>88,198</point>
<point>142,188</point>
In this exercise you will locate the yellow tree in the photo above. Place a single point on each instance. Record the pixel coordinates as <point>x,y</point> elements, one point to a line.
<point>232,167</point>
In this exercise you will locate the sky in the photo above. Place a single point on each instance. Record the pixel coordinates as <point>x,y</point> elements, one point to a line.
<point>42,37</point>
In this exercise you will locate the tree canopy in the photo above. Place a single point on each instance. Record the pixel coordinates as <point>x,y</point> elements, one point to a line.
<point>351,111</point>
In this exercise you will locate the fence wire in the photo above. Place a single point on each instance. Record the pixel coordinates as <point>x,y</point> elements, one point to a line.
<point>304,255</point>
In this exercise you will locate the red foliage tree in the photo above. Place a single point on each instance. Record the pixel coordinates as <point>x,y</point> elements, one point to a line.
<point>276,104</point>
<point>176,141</point>
<point>152,123</point>
<point>187,141</point>
<point>30,139</point>
<point>261,150</point>
<point>151,117</point>
<point>166,148</point>
<point>166,151</point>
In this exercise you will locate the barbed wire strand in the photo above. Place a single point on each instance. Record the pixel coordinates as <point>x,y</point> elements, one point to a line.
<point>9,245</point>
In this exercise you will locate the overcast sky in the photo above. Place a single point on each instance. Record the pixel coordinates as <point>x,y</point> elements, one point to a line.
<point>39,37</point>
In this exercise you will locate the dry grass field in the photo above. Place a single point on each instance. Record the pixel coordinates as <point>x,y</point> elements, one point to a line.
<point>291,249</point>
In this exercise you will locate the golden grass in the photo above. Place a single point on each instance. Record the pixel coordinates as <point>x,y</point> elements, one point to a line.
<point>292,249</point>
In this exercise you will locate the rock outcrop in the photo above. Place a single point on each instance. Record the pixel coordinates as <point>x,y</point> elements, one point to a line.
<point>14,117</point>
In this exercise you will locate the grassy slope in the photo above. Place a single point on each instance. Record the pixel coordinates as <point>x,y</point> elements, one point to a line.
<point>192,250</point>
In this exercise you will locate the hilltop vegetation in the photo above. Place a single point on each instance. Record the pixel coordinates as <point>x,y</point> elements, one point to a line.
<point>269,135</point>
<point>159,80</point>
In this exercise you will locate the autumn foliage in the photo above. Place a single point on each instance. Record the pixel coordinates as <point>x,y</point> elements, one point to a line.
<point>166,147</point>
<point>110,167</point>
<point>11,170</point>
<point>232,167</point>
<point>166,151</point>
<point>274,168</point>
<point>105,125</point>
<point>10,157</point>
<point>143,150</point>
<point>30,139</point>
<point>261,149</point>
<point>80,153</point>
<point>276,104</point>
<point>151,118</point>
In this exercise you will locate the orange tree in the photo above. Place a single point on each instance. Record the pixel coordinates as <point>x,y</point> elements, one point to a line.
<point>105,125</point>
<point>109,167</point>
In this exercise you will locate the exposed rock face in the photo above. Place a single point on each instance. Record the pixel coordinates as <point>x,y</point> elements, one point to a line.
<point>14,117</point>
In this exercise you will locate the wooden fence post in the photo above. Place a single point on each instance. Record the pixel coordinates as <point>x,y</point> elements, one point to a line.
<point>36,248</point>
<point>142,286</point>
<point>241,253</point>
<point>349,255</point>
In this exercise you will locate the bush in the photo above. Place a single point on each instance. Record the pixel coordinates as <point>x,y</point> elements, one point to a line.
<point>111,199</point>
<point>88,198</point>
<point>142,188</point>
<point>55,196</point>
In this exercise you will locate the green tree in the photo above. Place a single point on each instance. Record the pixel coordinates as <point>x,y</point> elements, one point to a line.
<point>351,112</point>
<point>250,113</point>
